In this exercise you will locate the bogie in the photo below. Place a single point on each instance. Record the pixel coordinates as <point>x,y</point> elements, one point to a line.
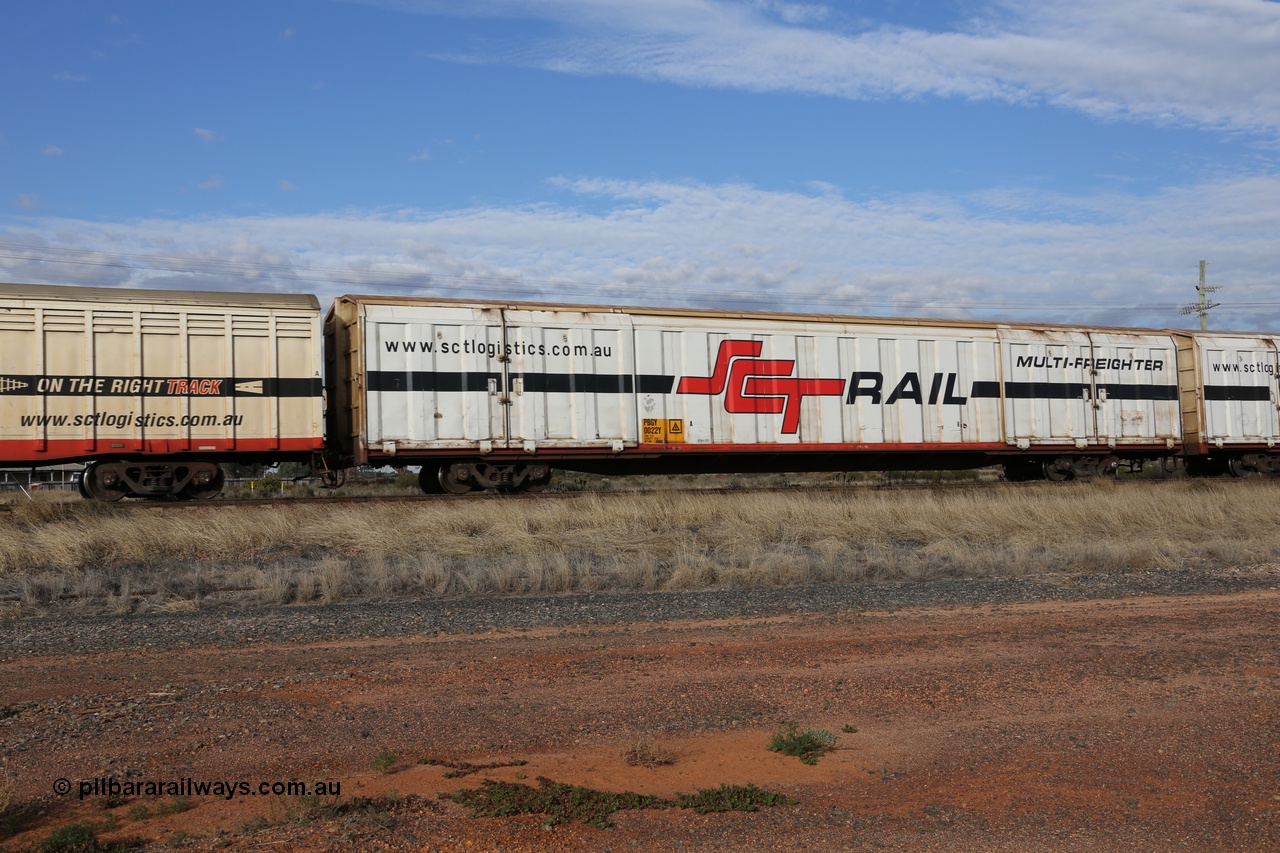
<point>156,479</point>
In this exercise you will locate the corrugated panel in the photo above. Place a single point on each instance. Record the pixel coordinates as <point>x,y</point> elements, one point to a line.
<point>759,383</point>
<point>154,323</point>
<point>1135,389</point>
<point>1088,388</point>
<point>109,379</point>
<point>1238,376</point>
<point>570,377</point>
<point>431,377</point>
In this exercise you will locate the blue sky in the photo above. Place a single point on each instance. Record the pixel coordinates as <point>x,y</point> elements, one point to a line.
<point>1065,162</point>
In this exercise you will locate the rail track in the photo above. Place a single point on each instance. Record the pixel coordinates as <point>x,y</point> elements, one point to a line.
<point>139,505</point>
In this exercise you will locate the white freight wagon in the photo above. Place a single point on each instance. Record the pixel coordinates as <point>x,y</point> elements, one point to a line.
<point>154,388</point>
<point>495,394</point>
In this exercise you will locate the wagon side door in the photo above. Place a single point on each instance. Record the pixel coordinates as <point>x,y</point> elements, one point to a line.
<point>1134,388</point>
<point>1047,387</point>
<point>434,377</point>
<point>570,379</point>
<point>1240,394</point>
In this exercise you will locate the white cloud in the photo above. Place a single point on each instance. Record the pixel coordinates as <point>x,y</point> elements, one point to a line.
<point>206,135</point>
<point>52,151</point>
<point>288,186</point>
<point>67,77</point>
<point>421,157</point>
<point>214,183</point>
<point>1197,62</point>
<point>1114,259</point>
<point>28,201</point>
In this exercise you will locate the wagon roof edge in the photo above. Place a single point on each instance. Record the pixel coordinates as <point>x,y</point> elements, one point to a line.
<point>736,314</point>
<point>211,298</point>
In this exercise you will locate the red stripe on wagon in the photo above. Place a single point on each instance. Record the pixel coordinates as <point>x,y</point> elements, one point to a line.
<point>45,452</point>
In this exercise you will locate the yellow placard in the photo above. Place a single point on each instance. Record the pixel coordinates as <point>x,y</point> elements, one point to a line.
<point>662,431</point>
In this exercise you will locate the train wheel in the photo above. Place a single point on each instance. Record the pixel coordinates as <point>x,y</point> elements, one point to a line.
<point>101,483</point>
<point>429,480</point>
<point>1058,470</point>
<point>456,479</point>
<point>207,490</point>
<point>1236,467</point>
<point>536,484</point>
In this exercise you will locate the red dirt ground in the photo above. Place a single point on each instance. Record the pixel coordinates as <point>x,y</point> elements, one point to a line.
<point>1138,724</point>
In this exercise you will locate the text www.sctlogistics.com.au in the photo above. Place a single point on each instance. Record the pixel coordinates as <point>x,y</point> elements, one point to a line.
<point>152,420</point>
<point>227,789</point>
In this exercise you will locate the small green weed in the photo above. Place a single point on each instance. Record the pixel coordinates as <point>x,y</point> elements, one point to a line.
<point>72,838</point>
<point>14,818</point>
<point>303,809</point>
<point>384,762</point>
<point>138,812</point>
<point>177,805</point>
<point>808,745</point>
<point>258,824</point>
<point>731,798</point>
<point>466,768</point>
<point>563,803</point>
<point>371,813</point>
<point>850,730</point>
<point>83,838</point>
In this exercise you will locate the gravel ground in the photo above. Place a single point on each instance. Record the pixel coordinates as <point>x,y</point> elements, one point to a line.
<point>1066,714</point>
<point>70,632</point>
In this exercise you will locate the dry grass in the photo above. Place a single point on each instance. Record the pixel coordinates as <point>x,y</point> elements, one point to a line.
<point>78,553</point>
<point>646,753</point>
<point>7,787</point>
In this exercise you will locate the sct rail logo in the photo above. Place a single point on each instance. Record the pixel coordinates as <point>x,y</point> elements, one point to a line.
<point>753,385</point>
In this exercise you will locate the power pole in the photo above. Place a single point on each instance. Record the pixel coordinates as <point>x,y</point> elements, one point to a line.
<point>1204,306</point>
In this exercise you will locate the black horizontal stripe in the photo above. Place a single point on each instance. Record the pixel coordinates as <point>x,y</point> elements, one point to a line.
<point>653,383</point>
<point>32,385</point>
<point>280,388</point>
<point>387,380</point>
<point>534,383</point>
<point>1251,393</point>
<point>1045,390</point>
<point>1071,391</point>
<point>576,383</point>
<point>986,390</point>
<point>1118,391</point>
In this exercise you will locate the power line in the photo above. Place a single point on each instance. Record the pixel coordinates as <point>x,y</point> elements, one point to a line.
<point>1204,306</point>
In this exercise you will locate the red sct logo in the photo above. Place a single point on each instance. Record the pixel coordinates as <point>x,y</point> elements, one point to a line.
<point>759,386</point>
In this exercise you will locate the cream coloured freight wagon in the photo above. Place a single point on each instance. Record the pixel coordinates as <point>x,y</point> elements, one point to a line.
<point>155,388</point>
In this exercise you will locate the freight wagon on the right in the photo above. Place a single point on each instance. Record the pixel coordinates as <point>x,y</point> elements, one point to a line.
<point>487,395</point>
<point>1230,402</point>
